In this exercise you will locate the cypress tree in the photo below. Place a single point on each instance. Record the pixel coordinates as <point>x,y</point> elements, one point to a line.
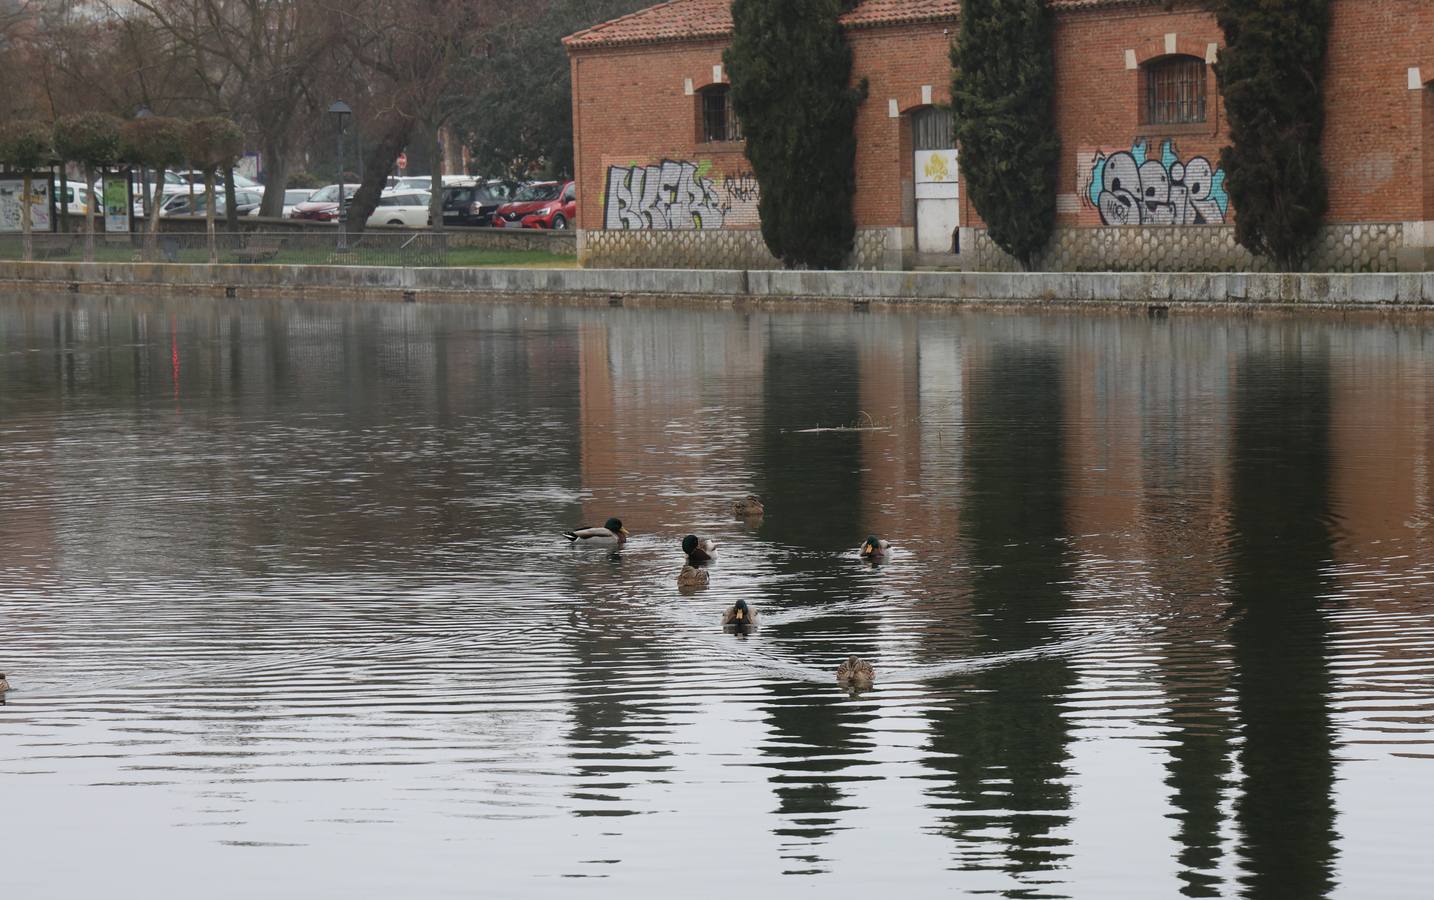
<point>1002,97</point>
<point>790,68</point>
<point>1271,74</point>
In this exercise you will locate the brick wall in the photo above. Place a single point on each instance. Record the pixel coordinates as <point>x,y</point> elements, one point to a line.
<point>632,110</point>
<point>1373,138</point>
<point>898,63</point>
<point>1101,58</point>
<point>631,106</point>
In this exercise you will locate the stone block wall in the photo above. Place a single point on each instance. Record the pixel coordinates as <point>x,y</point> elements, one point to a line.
<point>708,249</point>
<point>1372,247</point>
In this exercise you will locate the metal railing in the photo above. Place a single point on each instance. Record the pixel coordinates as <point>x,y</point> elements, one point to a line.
<point>402,249</point>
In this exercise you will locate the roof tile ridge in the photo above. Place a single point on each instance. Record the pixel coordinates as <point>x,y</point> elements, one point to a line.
<point>591,30</point>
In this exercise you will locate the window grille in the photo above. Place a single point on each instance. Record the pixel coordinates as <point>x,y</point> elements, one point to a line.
<point>933,128</point>
<point>719,120</point>
<point>1175,91</point>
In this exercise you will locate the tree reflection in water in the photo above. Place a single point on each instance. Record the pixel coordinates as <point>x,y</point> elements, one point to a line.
<point>1001,750</point>
<point>815,736</point>
<point>1280,545</point>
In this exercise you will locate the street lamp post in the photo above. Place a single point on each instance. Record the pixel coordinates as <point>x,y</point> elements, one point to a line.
<point>341,112</point>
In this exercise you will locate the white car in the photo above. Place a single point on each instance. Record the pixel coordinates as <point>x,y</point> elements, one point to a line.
<point>411,183</point>
<point>75,203</point>
<point>401,208</point>
<point>292,198</point>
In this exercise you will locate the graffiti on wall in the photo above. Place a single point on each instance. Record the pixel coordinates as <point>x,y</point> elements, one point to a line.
<point>677,195</point>
<point>669,196</point>
<point>739,188</point>
<point>1133,188</point>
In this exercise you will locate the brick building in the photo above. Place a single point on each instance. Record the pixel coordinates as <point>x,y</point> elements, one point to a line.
<point>664,181</point>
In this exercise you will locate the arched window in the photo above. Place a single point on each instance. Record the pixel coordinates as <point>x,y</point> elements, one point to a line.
<point>1174,91</point>
<point>719,121</point>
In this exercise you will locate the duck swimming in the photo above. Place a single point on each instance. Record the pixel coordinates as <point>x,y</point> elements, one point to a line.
<point>4,685</point>
<point>739,615</point>
<point>875,549</point>
<point>610,534</point>
<point>699,551</point>
<point>856,673</point>
<point>692,577</point>
<point>749,508</point>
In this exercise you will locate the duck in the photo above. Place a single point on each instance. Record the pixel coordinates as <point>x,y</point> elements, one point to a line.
<point>699,550</point>
<point>4,685</point>
<point>611,533</point>
<point>692,577</point>
<point>856,673</point>
<point>875,549</point>
<point>748,508</point>
<point>739,615</point>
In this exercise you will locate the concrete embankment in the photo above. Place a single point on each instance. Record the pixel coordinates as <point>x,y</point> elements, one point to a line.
<point>1407,290</point>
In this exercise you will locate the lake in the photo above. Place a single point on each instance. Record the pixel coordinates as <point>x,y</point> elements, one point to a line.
<point>288,612</point>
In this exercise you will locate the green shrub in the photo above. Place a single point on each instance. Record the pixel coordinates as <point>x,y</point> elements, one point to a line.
<point>213,143</point>
<point>26,144</point>
<point>89,138</point>
<point>155,142</point>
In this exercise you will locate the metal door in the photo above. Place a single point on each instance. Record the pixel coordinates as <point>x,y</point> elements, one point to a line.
<point>938,211</point>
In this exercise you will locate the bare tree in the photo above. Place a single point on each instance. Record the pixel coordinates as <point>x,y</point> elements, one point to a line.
<point>256,60</point>
<point>413,55</point>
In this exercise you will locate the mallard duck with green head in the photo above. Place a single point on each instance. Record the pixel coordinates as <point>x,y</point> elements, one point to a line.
<point>874,549</point>
<point>611,534</point>
<point>699,550</point>
<point>739,615</point>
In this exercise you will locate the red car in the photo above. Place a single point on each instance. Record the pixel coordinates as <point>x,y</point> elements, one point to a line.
<point>546,204</point>
<point>323,205</point>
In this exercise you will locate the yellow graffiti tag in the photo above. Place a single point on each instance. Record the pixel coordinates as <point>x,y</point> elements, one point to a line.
<point>936,168</point>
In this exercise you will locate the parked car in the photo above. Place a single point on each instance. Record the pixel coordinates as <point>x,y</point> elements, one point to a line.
<point>240,181</point>
<point>401,208</point>
<point>546,204</point>
<point>475,202</point>
<point>245,202</point>
<point>323,205</point>
<point>292,198</point>
<point>76,199</point>
<point>411,183</point>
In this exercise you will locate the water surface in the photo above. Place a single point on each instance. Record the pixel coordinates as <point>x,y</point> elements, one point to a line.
<point>288,614</point>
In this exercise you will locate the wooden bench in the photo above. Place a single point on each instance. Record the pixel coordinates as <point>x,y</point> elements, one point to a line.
<point>260,249</point>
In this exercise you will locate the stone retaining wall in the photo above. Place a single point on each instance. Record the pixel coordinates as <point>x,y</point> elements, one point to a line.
<point>1373,247</point>
<point>729,248</point>
<point>562,243</point>
<point>458,284</point>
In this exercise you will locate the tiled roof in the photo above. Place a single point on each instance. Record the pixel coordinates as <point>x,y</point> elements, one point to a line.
<point>900,12</point>
<point>675,20</point>
<point>695,20</point>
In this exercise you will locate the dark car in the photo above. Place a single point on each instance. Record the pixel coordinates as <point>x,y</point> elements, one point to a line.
<point>245,202</point>
<point>545,204</point>
<point>475,203</point>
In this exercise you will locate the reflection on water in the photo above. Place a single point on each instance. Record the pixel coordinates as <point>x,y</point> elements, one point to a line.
<point>1280,540</point>
<point>282,591</point>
